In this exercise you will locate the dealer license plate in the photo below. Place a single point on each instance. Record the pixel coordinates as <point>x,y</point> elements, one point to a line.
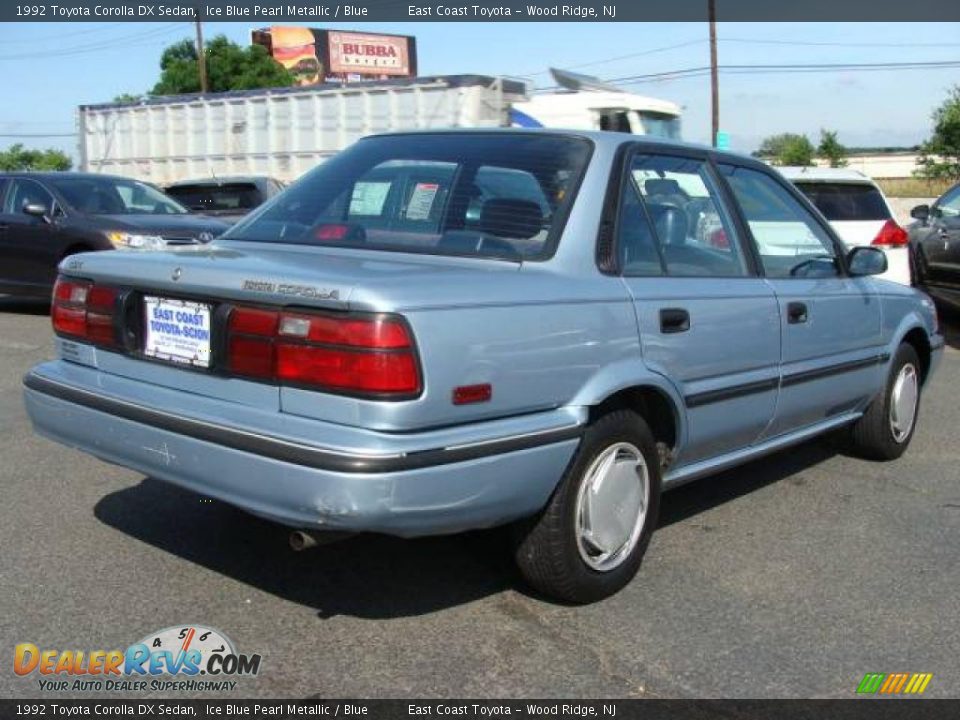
<point>177,331</point>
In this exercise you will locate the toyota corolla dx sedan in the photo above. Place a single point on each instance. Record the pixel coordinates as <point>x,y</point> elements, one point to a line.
<point>440,331</point>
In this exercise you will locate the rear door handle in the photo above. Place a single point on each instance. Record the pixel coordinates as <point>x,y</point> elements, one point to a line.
<point>674,320</point>
<point>796,313</point>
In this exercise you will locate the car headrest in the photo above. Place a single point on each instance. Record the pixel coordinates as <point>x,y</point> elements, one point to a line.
<point>510,217</point>
<point>662,186</point>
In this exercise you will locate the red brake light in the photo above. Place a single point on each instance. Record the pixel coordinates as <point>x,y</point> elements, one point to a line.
<point>359,354</point>
<point>85,311</point>
<point>891,235</point>
<point>331,231</point>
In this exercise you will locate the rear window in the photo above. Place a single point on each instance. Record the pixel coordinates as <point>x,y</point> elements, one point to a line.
<point>487,195</point>
<point>846,201</point>
<point>217,198</point>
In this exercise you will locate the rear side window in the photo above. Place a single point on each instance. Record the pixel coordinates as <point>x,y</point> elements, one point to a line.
<point>791,243</point>
<point>491,195</point>
<point>672,222</point>
<point>846,201</point>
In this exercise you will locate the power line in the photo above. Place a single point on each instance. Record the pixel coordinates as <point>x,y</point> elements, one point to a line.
<point>784,68</point>
<point>826,43</point>
<point>137,39</point>
<point>59,36</point>
<point>629,56</point>
<point>37,135</point>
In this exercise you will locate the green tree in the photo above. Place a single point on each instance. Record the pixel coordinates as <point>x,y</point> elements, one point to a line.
<point>831,149</point>
<point>786,149</point>
<point>128,98</point>
<point>17,157</point>
<point>940,155</point>
<point>229,67</point>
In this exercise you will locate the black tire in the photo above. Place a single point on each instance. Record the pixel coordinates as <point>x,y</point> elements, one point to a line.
<point>872,437</point>
<point>547,551</point>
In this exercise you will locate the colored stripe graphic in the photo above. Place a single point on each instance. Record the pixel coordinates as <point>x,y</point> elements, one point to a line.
<point>894,683</point>
<point>870,683</point>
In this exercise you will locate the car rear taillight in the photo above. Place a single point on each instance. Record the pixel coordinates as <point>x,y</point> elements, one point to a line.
<point>891,235</point>
<point>85,311</point>
<point>365,355</point>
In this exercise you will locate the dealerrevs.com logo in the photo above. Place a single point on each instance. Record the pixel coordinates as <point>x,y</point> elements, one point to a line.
<point>188,658</point>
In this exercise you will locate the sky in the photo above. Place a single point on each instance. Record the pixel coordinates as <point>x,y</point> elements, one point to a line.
<point>51,68</point>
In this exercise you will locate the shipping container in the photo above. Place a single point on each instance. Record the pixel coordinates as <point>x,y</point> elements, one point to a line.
<point>283,132</point>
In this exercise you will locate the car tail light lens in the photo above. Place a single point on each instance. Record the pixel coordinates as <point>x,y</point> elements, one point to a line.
<point>891,235</point>
<point>85,311</point>
<point>366,355</point>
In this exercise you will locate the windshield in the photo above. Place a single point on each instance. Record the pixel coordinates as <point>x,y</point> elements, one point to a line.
<point>661,124</point>
<point>490,195</point>
<point>114,196</point>
<point>229,197</point>
<point>846,201</point>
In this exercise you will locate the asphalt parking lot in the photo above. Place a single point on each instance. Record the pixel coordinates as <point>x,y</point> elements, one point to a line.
<point>790,577</point>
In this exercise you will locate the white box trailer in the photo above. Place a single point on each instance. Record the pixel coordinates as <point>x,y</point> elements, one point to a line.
<point>283,132</point>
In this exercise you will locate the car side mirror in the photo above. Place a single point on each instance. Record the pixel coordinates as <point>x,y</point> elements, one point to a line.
<point>867,260</point>
<point>36,210</point>
<point>920,212</point>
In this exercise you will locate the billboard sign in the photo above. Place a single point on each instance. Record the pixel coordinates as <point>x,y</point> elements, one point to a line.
<point>315,55</point>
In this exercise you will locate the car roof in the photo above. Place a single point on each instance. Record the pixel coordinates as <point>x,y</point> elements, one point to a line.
<point>598,137</point>
<point>52,174</point>
<point>824,174</point>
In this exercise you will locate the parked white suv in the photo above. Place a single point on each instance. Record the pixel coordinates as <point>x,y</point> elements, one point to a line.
<point>858,211</point>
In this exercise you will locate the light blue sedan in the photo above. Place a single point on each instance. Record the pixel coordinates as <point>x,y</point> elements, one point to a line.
<point>434,332</point>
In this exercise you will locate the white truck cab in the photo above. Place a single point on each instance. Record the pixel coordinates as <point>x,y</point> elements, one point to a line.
<point>587,109</point>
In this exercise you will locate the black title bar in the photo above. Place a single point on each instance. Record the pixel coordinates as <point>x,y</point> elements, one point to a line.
<point>872,709</point>
<point>317,12</point>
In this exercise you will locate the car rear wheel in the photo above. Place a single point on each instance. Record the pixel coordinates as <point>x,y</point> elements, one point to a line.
<point>589,541</point>
<point>886,428</point>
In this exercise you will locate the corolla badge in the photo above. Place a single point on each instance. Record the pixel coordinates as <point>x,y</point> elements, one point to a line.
<point>175,275</point>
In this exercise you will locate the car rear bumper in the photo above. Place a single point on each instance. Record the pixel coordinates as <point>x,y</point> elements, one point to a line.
<point>426,483</point>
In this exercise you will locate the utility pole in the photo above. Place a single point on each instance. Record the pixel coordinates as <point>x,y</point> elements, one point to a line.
<point>202,59</point>
<point>714,79</point>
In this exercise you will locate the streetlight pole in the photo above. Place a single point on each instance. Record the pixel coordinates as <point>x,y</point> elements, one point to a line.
<point>202,59</point>
<point>714,79</point>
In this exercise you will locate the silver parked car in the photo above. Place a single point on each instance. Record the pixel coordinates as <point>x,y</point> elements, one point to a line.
<point>433,332</point>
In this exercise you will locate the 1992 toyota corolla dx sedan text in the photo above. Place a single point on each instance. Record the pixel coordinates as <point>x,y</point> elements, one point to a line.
<point>434,332</point>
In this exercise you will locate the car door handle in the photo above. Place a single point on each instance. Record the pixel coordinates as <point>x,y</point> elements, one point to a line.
<point>796,313</point>
<point>674,320</point>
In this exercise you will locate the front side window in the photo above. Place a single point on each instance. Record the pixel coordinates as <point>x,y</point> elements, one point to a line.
<point>671,221</point>
<point>660,124</point>
<point>791,243</point>
<point>27,192</point>
<point>488,195</point>
<point>114,196</point>
<point>949,205</point>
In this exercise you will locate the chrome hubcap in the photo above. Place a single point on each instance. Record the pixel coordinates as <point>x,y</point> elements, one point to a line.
<point>903,402</point>
<point>611,506</point>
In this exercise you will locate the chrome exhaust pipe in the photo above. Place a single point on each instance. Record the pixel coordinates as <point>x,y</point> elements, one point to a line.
<point>301,540</point>
<point>305,539</point>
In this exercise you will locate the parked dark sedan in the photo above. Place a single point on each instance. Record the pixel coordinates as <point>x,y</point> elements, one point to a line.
<point>226,198</point>
<point>47,216</point>
<point>935,238</point>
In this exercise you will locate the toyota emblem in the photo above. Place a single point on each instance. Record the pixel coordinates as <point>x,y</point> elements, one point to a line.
<point>205,237</point>
<point>175,275</point>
